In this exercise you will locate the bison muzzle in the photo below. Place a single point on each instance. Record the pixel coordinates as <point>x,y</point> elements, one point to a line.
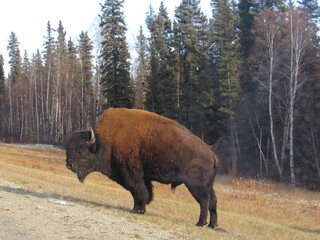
<point>136,147</point>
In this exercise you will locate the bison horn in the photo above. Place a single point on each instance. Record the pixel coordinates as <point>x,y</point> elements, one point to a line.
<point>93,138</point>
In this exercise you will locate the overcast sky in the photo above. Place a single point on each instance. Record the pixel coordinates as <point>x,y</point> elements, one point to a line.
<point>28,19</point>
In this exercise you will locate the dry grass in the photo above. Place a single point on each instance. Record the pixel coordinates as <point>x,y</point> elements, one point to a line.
<point>247,209</point>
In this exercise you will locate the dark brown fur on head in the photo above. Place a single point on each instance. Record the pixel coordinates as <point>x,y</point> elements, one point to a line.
<point>82,155</point>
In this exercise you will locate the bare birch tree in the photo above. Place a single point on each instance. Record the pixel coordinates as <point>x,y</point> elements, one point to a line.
<point>268,27</point>
<point>299,39</point>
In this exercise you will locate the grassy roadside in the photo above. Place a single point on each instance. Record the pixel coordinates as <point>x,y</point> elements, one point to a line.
<point>247,209</point>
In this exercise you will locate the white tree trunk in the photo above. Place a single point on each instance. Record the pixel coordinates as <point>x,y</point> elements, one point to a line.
<point>273,141</point>
<point>291,100</point>
<point>298,43</point>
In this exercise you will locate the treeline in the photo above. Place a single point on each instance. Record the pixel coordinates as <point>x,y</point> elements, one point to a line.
<point>51,94</point>
<point>250,73</point>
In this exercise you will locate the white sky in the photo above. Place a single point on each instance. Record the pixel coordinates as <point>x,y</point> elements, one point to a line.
<point>28,19</point>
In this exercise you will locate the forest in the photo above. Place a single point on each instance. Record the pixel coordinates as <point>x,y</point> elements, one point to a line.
<point>250,73</point>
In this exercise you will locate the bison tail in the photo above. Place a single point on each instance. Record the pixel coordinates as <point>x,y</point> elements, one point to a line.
<point>217,144</point>
<point>214,148</point>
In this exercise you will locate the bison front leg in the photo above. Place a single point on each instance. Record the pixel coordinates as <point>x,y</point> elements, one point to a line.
<point>140,196</point>
<point>132,180</point>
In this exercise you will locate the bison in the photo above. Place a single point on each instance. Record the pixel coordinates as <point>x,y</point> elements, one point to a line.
<point>135,147</point>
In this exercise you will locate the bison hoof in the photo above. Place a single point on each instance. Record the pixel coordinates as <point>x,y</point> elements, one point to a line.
<point>213,225</point>
<point>138,211</point>
<point>201,224</point>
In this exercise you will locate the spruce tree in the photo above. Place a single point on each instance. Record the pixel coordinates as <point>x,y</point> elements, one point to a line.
<point>226,63</point>
<point>60,90</point>
<point>15,61</point>
<point>73,87</point>
<point>26,64</point>
<point>247,11</point>
<point>37,84</point>
<point>312,8</point>
<point>152,102</point>
<point>162,87</point>
<point>61,42</point>
<point>115,65</point>
<point>50,63</point>
<point>227,59</point>
<point>246,16</point>
<point>191,44</point>
<point>142,70</point>
<point>49,47</point>
<point>86,68</point>
<point>15,75</point>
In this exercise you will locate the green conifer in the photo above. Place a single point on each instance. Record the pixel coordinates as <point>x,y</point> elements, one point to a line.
<point>115,65</point>
<point>162,88</point>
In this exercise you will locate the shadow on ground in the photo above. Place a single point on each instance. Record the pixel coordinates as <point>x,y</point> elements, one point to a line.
<point>25,192</point>
<point>306,230</point>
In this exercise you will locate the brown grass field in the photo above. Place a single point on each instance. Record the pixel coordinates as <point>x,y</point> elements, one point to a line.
<point>247,209</point>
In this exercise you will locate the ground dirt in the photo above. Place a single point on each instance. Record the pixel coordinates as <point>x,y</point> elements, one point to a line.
<point>30,215</point>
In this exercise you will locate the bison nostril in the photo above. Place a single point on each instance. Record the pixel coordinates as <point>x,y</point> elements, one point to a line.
<point>69,165</point>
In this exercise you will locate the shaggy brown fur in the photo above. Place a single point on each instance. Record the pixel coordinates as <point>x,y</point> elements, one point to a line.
<point>128,129</point>
<point>136,147</point>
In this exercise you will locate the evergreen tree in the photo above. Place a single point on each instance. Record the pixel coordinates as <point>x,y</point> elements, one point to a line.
<point>191,44</point>
<point>115,65</point>
<point>247,11</point>
<point>61,42</point>
<point>275,5</point>
<point>60,86</point>
<point>246,15</point>
<point>312,7</point>
<point>36,80</point>
<point>227,59</point>
<point>162,93</point>
<point>142,70</point>
<point>26,64</point>
<point>226,64</point>
<point>26,98</point>
<point>16,72</point>
<point>49,48</point>
<point>152,102</point>
<point>73,88</point>
<point>15,61</point>
<point>50,63</point>
<point>86,68</point>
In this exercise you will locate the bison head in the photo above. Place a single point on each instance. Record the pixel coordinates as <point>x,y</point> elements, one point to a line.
<point>82,149</point>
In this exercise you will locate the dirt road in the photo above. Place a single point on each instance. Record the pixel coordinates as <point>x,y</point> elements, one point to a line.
<point>30,215</point>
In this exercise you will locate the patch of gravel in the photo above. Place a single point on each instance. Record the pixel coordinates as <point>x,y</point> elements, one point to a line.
<point>28,215</point>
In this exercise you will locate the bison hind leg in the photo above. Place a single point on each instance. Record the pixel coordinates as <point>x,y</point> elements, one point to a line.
<point>201,195</point>
<point>213,209</point>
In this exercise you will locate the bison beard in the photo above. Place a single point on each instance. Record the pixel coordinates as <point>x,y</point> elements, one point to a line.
<point>136,147</point>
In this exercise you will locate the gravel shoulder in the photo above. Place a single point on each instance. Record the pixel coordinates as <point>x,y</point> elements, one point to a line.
<point>29,215</point>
